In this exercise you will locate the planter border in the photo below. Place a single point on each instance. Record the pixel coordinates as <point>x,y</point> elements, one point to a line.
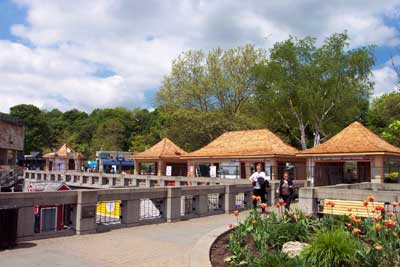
<point>200,254</point>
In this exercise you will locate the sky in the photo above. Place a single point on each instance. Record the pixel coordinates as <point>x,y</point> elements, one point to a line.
<point>106,53</point>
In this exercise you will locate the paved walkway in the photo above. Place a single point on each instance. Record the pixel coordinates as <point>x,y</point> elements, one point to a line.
<point>162,245</point>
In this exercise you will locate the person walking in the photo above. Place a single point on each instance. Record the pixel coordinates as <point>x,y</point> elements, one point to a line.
<point>259,181</point>
<point>286,189</point>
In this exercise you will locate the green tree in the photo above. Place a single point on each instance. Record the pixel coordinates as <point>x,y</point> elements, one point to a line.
<point>314,91</point>
<point>207,94</point>
<point>110,135</point>
<point>392,133</point>
<point>383,111</point>
<point>36,127</point>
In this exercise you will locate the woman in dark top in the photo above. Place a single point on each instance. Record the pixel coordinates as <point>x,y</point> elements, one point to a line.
<point>286,189</point>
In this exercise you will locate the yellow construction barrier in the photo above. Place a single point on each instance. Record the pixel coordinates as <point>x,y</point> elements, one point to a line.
<point>109,208</point>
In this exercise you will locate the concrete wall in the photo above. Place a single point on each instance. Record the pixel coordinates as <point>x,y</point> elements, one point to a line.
<point>84,206</point>
<point>309,197</point>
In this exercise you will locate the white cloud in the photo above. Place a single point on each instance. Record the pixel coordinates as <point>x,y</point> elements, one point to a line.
<point>67,42</point>
<point>385,79</point>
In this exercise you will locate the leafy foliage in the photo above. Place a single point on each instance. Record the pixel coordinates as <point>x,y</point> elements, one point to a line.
<point>331,249</point>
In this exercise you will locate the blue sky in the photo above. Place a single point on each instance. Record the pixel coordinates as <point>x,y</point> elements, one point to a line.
<point>87,54</point>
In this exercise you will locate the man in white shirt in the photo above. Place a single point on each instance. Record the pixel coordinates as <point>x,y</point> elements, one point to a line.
<point>259,181</point>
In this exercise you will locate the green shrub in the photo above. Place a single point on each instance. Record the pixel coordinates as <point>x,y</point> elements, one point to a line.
<point>335,248</point>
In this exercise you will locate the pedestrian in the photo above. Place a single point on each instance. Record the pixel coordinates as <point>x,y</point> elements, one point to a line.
<point>260,182</point>
<point>286,189</point>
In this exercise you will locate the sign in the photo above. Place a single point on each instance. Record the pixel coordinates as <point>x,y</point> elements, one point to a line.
<point>169,171</point>
<point>213,171</point>
<point>340,158</point>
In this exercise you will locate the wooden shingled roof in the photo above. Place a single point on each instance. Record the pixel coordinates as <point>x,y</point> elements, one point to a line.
<point>64,151</point>
<point>354,139</point>
<point>165,149</point>
<point>242,144</point>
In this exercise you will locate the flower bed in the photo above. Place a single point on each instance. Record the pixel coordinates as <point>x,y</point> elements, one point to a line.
<point>333,240</point>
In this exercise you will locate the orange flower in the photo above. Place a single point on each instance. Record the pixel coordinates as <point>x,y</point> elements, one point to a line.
<point>378,227</point>
<point>297,216</point>
<point>389,223</point>
<point>263,205</point>
<point>258,198</point>
<point>378,247</point>
<point>236,213</point>
<point>277,205</point>
<point>390,214</point>
<point>281,201</point>
<point>356,231</point>
<point>352,218</point>
<point>395,204</point>
<point>378,218</point>
<point>365,203</point>
<point>230,226</point>
<point>331,204</point>
<point>379,208</point>
<point>254,222</point>
<point>371,198</point>
<point>253,197</point>
<point>358,221</point>
<point>349,209</point>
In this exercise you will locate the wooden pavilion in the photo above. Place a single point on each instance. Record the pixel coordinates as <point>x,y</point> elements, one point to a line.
<point>355,154</point>
<point>164,158</point>
<point>234,155</point>
<point>63,159</point>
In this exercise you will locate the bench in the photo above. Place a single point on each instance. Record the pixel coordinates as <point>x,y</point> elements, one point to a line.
<point>342,207</point>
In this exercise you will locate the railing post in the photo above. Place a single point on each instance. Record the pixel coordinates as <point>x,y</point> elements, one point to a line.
<point>85,214</point>
<point>230,198</point>
<point>147,183</point>
<point>173,204</point>
<point>130,210</point>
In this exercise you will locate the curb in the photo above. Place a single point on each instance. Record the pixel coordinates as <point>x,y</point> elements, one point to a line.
<point>200,253</point>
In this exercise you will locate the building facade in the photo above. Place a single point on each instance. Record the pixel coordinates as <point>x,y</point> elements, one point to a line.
<point>354,155</point>
<point>164,158</point>
<point>114,161</point>
<point>65,158</point>
<point>235,154</point>
<point>11,140</point>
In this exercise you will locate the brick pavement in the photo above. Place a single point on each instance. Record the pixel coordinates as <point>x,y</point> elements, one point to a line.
<point>162,245</point>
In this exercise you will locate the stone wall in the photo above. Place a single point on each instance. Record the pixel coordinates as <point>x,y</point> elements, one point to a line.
<point>11,135</point>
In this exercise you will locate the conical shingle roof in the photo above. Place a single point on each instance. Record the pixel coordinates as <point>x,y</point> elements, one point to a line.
<point>242,144</point>
<point>354,139</point>
<point>163,149</point>
<point>64,151</point>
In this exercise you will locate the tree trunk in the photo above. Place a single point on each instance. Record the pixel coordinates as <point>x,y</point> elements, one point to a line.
<point>317,138</point>
<point>303,139</point>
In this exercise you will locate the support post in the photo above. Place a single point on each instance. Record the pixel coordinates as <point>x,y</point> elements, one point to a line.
<point>85,217</point>
<point>230,198</point>
<point>202,204</point>
<point>173,204</point>
<point>307,200</point>
<point>26,223</point>
<point>130,211</point>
